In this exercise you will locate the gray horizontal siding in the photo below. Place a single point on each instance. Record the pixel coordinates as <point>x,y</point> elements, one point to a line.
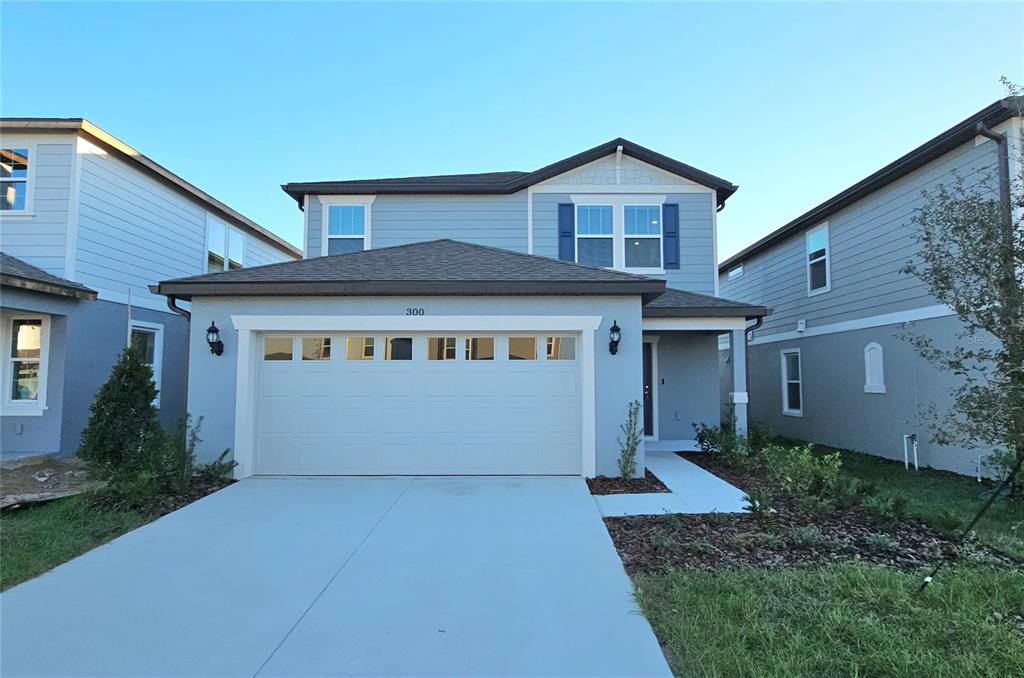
<point>41,239</point>
<point>494,220</point>
<point>133,232</point>
<point>259,252</point>
<point>870,241</point>
<point>314,228</point>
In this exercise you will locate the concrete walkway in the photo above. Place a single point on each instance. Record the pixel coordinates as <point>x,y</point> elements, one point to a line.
<point>694,490</point>
<point>344,576</point>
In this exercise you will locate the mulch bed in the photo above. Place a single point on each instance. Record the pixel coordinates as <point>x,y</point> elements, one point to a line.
<point>784,538</point>
<point>162,504</point>
<point>616,485</point>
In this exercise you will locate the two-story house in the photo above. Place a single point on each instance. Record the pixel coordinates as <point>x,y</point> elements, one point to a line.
<point>497,323</point>
<point>87,223</point>
<point>831,364</point>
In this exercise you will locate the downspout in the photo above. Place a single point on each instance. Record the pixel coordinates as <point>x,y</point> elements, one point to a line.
<point>172,303</point>
<point>757,324</point>
<point>1003,157</point>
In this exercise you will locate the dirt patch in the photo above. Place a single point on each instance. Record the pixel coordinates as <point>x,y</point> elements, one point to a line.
<point>616,485</point>
<point>42,479</point>
<point>162,504</point>
<point>787,537</point>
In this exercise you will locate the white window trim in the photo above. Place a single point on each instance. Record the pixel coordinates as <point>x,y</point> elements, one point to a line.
<point>618,204</point>
<point>30,180</point>
<point>158,353</point>
<point>23,408</point>
<point>660,237</point>
<point>326,202</point>
<point>827,259</point>
<point>227,243</point>
<point>874,383</point>
<point>786,410</point>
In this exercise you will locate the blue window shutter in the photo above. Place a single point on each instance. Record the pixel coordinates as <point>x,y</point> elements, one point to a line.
<point>670,234</point>
<point>567,232</point>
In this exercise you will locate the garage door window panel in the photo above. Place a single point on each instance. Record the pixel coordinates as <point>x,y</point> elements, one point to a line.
<point>398,348</point>
<point>441,348</point>
<point>522,348</point>
<point>316,348</point>
<point>278,348</point>
<point>359,348</point>
<point>479,348</point>
<point>561,348</point>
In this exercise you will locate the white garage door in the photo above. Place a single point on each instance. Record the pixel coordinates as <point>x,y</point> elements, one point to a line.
<point>418,404</point>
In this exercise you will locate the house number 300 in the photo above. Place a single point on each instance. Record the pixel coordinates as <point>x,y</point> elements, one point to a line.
<point>414,311</point>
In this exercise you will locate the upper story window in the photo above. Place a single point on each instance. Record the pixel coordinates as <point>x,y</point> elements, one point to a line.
<point>595,241</point>
<point>346,228</point>
<point>735,272</point>
<point>642,236</point>
<point>819,273</point>
<point>225,247</point>
<point>14,165</point>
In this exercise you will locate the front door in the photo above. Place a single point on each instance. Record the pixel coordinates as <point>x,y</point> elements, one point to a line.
<point>648,389</point>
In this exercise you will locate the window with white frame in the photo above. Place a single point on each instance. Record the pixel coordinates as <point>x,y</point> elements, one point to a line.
<point>874,368</point>
<point>792,384</point>
<point>735,272</point>
<point>642,226</point>
<point>26,348</point>
<point>819,274</point>
<point>225,247</point>
<point>14,166</point>
<point>346,228</point>
<point>595,235</point>
<point>147,339</point>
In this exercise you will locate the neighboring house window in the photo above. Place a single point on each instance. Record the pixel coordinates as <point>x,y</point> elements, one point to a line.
<point>595,242</point>
<point>148,340</point>
<point>26,347</point>
<point>874,368</point>
<point>225,247</point>
<point>346,228</point>
<point>643,236</point>
<point>819,275</point>
<point>14,179</point>
<point>735,272</point>
<point>359,348</point>
<point>792,385</point>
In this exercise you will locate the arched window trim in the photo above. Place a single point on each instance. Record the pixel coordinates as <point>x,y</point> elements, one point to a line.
<point>874,370</point>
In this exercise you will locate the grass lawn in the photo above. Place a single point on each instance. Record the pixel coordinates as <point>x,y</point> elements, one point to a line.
<point>933,497</point>
<point>849,619</point>
<point>36,539</point>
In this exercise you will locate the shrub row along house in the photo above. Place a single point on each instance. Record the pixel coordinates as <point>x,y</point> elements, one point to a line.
<point>832,363</point>
<point>87,223</point>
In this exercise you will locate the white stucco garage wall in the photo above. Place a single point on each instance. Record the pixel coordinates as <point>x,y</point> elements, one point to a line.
<point>617,379</point>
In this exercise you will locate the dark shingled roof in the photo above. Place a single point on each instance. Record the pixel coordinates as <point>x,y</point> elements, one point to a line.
<point>680,304</point>
<point>958,134</point>
<point>16,273</point>
<point>436,267</point>
<point>508,182</point>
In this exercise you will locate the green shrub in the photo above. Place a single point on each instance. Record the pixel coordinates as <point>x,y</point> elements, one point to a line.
<point>948,519</point>
<point>633,434</point>
<point>759,503</point>
<point>887,507</point>
<point>807,535</point>
<point>732,449</point>
<point>123,434</point>
<point>135,491</point>
<point>1000,464</point>
<point>759,435</point>
<point>221,467</point>
<point>798,471</point>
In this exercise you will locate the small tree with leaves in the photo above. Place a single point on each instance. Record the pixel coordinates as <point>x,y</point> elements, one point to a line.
<point>971,257</point>
<point>123,431</point>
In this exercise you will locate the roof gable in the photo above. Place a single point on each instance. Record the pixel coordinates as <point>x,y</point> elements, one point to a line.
<point>512,182</point>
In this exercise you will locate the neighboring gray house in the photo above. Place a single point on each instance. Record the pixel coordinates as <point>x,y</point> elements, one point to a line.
<point>86,224</point>
<point>828,365</point>
<point>445,324</point>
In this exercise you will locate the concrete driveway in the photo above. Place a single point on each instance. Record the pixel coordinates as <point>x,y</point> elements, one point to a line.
<point>344,576</point>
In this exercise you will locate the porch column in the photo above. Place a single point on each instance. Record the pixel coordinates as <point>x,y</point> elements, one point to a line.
<point>738,396</point>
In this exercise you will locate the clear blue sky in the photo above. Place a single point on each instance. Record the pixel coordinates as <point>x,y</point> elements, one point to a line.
<point>793,102</point>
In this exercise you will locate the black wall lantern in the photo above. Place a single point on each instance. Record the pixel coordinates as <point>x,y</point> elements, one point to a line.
<point>213,339</point>
<point>614,335</point>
